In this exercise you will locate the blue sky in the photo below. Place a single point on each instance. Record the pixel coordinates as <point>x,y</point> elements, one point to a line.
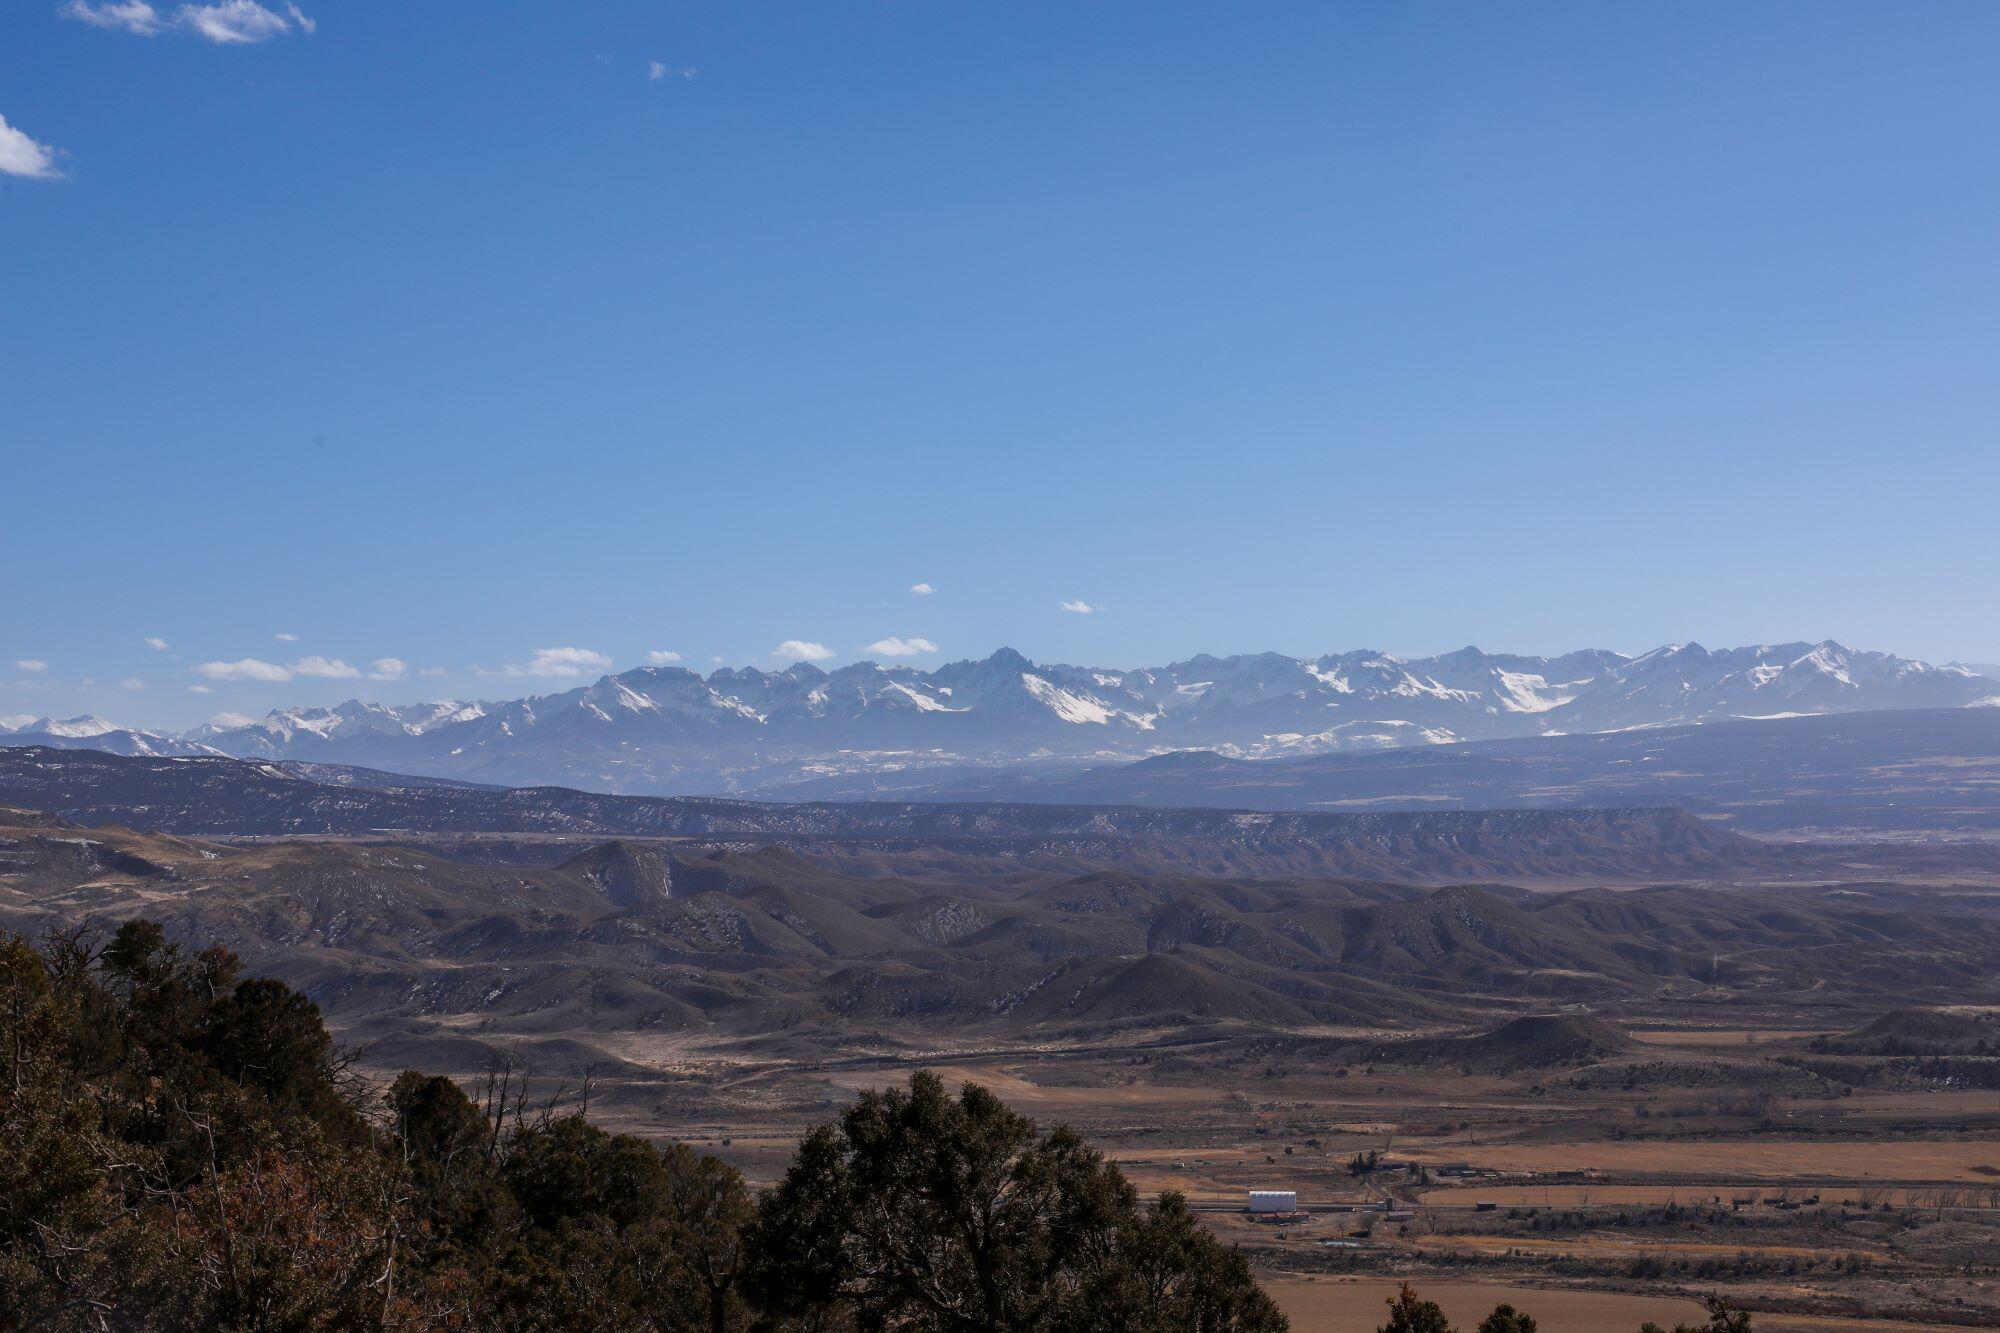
<point>445,333</point>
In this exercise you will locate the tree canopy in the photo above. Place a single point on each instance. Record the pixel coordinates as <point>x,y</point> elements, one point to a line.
<point>182,1147</point>
<point>923,1211</point>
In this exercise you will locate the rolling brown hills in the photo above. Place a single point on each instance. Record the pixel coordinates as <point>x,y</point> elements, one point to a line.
<point>628,946</point>
<point>215,797</point>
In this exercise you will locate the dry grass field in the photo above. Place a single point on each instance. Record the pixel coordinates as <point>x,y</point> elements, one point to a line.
<point>1938,1160</point>
<point>1355,1305</point>
<point>1706,1193</point>
<point>1720,1037</point>
<point>1608,1206</point>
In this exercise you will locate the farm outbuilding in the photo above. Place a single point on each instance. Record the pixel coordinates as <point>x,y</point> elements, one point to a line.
<point>1274,1201</point>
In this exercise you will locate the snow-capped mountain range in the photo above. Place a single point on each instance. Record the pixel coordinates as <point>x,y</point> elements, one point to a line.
<point>670,730</point>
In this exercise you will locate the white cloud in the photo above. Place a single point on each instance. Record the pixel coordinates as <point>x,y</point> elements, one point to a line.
<point>389,668</point>
<point>22,156</point>
<point>131,683</point>
<point>224,22</point>
<point>156,643</point>
<point>656,71</point>
<point>1082,608</point>
<point>231,720</point>
<point>922,589</point>
<point>238,22</point>
<point>899,647</point>
<point>554,662</point>
<point>662,657</point>
<point>200,689</point>
<point>326,668</point>
<point>566,662</point>
<point>286,638</point>
<point>248,668</point>
<point>133,16</point>
<point>430,671</point>
<point>31,664</point>
<point>803,650</point>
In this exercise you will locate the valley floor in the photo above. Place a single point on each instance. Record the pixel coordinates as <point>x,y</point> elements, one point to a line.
<point>1627,1065</point>
<point>1593,1208</point>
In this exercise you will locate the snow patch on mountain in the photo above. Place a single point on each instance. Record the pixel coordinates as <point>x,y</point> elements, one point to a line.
<point>1520,692</point>
<point>72,728</point>
<point>1078,708</point>
<point>924,702</point>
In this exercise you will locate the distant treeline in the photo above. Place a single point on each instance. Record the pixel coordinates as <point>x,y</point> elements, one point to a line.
<point>184,1148</point>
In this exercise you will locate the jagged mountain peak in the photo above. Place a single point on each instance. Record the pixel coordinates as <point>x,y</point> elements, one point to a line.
<point>81,727</point>
<point>668,729</point>
<point>649,674</point>
<point>1002,659</point>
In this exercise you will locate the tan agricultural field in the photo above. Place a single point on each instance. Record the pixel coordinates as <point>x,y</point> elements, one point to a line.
<point>1707,1192</point>
<point>1722,1036</point>
<point>1356,1305</point>
<point>1975,1162</point>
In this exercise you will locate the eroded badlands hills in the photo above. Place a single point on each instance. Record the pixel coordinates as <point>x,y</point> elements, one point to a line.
<point>442,925</point>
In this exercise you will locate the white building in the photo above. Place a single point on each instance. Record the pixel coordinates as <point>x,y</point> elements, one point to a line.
<point>1274,1201</point>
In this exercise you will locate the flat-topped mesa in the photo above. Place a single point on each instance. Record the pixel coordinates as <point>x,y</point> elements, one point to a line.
<point>215,796</point>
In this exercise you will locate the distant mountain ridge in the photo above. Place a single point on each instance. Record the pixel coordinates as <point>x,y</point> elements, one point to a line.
<point>670,730</point>
<point>1912,770</point>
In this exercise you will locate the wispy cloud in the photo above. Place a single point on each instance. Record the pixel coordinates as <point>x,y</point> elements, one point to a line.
<point>1081,608</point>
<point>430,671</point>
<point>899,647</point>
<point>131,683</point>
<point>314,667</point>
<point>31,665</point>
<point>224,22</point>
<point>662,657</point>
<point>554,662</point>
<point>233,22</point>
<point>156,643</point>
<point>324,668</point>
<point>22,156</point>
<point>133,16</point>
<point>922,589</point>
<point>286,638</point>
<point>231,720</point>
<point>201,689</point>
<point>248,668</point>
<point>656,70</point>
<point>803,650</point>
